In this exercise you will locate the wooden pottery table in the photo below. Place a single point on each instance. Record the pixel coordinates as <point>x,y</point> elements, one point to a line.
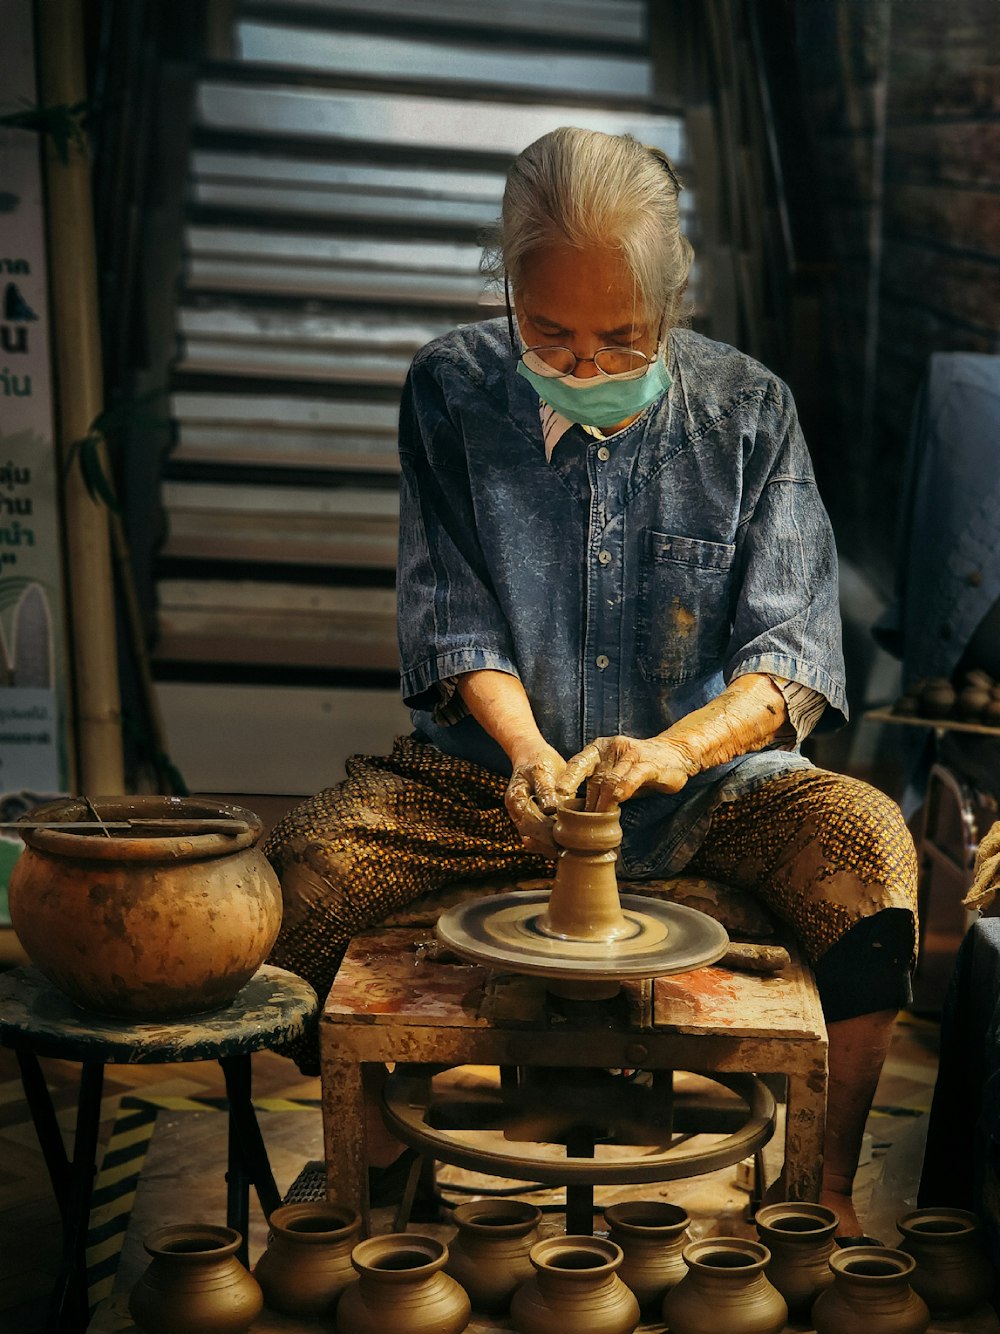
<point>396,1000</point>
<point>36,1019</point>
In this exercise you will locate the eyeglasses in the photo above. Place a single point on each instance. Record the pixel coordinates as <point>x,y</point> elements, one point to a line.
<point>556,363</point>
<point>615,363</point>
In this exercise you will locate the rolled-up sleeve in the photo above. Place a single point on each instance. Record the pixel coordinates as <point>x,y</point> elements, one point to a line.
<point>787,616</point>
<point>449,620</point>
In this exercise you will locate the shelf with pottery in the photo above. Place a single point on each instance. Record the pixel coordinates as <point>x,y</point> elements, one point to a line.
<point>886,715</point>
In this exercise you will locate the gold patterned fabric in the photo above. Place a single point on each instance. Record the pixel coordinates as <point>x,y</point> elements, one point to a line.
<point>397,827</point>
<point>819,849</point>
<point>822,851</point>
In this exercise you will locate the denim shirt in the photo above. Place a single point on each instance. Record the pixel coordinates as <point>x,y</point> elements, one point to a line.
<point>625,582</point>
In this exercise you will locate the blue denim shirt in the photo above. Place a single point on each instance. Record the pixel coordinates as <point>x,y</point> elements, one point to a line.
<point>626,581</point>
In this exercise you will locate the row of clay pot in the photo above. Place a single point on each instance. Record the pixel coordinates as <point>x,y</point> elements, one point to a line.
<point>719,1285</point>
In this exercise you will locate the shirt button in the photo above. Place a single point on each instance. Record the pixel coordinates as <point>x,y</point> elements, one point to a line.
<point>604,557</point>
<point>602,660</point>
<point>604,453</point>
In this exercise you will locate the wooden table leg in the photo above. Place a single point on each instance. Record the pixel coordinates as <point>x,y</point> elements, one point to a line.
<point>805,1124</point>
<point>345,1138</point>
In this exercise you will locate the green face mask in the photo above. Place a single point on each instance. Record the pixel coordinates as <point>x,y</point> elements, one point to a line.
<point>603,400</point>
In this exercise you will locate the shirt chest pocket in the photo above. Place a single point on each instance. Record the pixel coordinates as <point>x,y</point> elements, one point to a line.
<point>684,617</point>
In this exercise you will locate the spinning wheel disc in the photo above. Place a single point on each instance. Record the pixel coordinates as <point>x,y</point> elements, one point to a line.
<point>503,932</point>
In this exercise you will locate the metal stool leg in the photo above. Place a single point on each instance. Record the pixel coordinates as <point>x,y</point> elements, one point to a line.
<point>248,1161</point>
<point>69,1309</point>
<point>50,1138</point>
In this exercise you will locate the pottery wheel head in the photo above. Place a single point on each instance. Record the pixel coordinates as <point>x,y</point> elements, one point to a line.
<point>503,931</point>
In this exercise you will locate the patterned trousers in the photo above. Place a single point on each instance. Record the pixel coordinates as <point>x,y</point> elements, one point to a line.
<point>829,855</point>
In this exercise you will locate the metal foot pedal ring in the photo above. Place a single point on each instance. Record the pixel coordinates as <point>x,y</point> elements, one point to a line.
<point>432,1124</point>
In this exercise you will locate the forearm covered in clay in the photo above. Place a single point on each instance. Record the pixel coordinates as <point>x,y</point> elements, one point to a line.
<point>745,717</point>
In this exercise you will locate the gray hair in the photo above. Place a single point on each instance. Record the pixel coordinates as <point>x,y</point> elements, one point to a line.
<point>583,188</point>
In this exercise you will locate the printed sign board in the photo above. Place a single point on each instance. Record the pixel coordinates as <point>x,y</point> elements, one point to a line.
<point>34,690</point>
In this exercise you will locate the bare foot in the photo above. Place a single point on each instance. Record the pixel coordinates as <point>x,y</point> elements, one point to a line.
<point>843,1206</point>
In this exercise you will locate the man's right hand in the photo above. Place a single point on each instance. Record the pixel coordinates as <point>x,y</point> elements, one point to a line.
<point>532,796</point>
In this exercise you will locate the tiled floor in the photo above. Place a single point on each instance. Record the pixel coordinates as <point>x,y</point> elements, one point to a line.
<point>182,1176</point>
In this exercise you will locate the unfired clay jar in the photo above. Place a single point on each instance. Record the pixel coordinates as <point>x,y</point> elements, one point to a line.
<point>953,1273</point>
<point>800,1239</point>
<point>307,1264</point>
<point>195,1283</point>
<point>652,1235</point>
<point>871,1293</point>
<point>145,927</point>
<point>402,1286</point>
<point>725,1291</point>
<point>584,903</point>
<point>489,1256</point>
<point>575,1290</point>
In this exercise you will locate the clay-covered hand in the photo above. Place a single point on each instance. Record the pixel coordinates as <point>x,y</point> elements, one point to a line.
<point>534,791</point>
<point>617,767</point>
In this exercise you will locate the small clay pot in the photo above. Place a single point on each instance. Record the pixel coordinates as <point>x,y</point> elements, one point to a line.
<point>907,706</point>
<point>800,1239</point>
<point>489,1256</point>
<point>195,1283</point>
<point>652,1235</point>
<point>307,1264</point>
<point>871,1293</point>
<point>725,1291</point>
<point>575,1290</point>
<point>979,679</point>
<point>937,699</point>
<point>972,702</point>
<point>953,1273</point>
<point>402,1286</point>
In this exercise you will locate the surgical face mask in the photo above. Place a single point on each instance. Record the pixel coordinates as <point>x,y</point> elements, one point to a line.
<point>603,400</point>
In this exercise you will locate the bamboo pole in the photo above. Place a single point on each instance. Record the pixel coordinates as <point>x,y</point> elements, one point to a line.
<point>79,399</point>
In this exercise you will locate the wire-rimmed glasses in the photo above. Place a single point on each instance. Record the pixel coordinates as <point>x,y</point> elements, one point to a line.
<point>617,363</point>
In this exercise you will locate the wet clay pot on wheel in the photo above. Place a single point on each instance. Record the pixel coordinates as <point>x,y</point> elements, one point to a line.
<point>402,1286</point>
<point>800,1239</point>
<point>489,1256</point>
<point>195,1283</point>
<point>953,1273</point>
<point>575,1290</point>
<point>145,926</point>
<point>584,903</point>
<point>725,1291</point>
<point>871,1293</point>
<point>652,1235</point>
<point>307,1264</point>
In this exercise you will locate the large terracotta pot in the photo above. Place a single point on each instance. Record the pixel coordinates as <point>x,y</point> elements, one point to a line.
<point>195,1283</point>
<point>307,1264</point>
<point>145,925</point>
